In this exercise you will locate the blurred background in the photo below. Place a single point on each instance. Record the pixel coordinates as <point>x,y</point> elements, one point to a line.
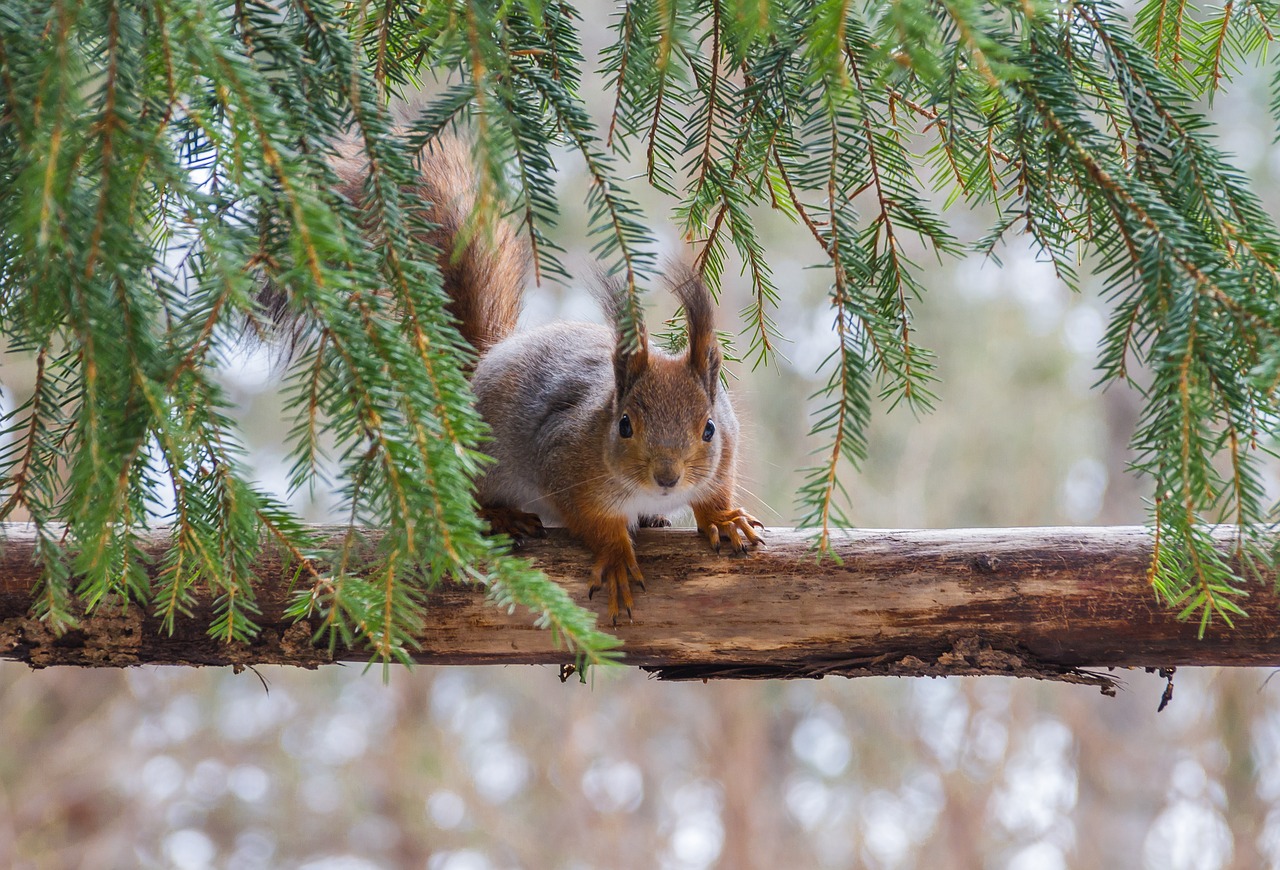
<point>486,768</point>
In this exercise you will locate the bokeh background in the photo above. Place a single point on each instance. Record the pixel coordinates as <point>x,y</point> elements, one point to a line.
<point>486,768</point>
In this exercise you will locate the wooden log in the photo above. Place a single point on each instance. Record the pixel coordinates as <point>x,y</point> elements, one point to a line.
<point>1049,602</point>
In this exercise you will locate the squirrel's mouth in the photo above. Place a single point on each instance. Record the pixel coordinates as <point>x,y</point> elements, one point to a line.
<point>667,482</point>
<point>663,493</point>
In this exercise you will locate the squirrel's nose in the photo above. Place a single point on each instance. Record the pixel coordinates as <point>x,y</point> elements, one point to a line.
<point>666,476</point>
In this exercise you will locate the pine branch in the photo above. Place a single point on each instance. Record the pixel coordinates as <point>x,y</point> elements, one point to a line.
<point>159,163</point>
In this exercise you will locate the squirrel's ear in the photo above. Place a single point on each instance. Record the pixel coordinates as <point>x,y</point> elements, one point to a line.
<point>709,373</point>
<point>704,348</point>
<point>631,353</point>
<point>629,363</point>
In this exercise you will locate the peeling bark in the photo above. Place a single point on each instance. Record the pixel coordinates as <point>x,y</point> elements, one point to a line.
<point>1057,603</point>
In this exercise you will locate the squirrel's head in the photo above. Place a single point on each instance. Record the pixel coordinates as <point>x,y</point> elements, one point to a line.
<point>669,417</point>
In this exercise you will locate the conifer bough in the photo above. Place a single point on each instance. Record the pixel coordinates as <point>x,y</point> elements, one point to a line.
<point>161,159</point>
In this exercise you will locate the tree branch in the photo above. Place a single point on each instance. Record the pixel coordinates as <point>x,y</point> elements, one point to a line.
<point>1046,603</point>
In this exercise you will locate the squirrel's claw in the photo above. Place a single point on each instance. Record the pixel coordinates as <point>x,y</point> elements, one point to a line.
<point>616,573</point>
<point>735,525</point>
<point>513,523</point>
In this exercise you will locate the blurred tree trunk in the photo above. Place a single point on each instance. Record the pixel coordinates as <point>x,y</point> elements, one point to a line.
<point>746,758</point>
<point>1239,703</point>
<point>960,838</point>
<point>1123,501</point>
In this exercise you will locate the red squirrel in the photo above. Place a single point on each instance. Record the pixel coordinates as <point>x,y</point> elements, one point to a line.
<point>585,431</point>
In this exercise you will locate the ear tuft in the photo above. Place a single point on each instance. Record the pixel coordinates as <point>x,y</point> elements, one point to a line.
<point>704,349</point>
<point>631,351</point>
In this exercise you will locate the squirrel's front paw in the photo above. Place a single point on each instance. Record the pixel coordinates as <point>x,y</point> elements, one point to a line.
<point>734,525</point>
<point>515,524</point>
<point>615,572</point>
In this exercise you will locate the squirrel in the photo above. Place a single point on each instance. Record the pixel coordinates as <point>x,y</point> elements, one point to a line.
<point>586,429</point>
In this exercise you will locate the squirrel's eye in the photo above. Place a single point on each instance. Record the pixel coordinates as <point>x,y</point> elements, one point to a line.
<point>708,431</point>
<point>624,426</point>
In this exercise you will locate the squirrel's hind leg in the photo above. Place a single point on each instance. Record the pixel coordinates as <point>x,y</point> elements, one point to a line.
<point>515,524</point>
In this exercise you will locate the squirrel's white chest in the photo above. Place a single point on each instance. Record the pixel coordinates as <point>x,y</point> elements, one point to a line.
<point>524,493</point>
<point>654,504</point>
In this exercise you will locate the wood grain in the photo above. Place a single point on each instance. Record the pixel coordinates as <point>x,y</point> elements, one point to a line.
<point>1046,602</point>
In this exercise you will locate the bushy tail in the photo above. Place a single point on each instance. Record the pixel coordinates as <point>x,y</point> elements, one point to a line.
<point>484,264</point>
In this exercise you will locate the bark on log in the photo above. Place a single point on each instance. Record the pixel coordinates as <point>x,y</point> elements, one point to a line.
<point>1057,603</point>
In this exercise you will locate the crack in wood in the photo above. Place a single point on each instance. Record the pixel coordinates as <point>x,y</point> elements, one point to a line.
<point>968,656</point>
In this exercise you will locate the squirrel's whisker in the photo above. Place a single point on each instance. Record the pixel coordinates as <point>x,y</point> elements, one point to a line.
<point>576,483</point>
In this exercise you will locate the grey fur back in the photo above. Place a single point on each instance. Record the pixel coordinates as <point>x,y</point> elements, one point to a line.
<point>531,390</point>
